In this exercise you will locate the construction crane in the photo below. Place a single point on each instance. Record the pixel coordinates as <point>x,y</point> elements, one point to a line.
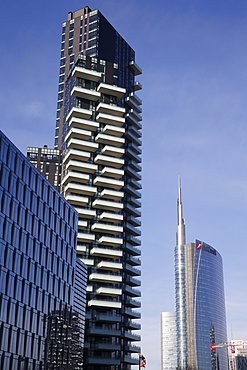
<point>232,344</point>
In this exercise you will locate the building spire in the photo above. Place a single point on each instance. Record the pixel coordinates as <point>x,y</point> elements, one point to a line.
<point>181,223</point>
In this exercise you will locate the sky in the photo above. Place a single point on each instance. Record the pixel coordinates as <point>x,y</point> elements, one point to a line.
<point>193,54</point>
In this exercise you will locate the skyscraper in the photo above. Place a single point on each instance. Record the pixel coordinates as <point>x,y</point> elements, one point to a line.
<point>200,303</point>
<point>99,129</point>
<point>168,341</point>
<point>41,326</point>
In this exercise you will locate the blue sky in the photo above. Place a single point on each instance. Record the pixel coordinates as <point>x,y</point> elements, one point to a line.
<point>194,59</point>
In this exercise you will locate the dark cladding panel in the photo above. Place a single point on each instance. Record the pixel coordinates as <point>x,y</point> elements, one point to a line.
<point>107,40</point>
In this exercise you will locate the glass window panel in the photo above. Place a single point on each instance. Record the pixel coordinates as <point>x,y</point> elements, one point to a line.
<point>4,309</point>
<point>20,190</point>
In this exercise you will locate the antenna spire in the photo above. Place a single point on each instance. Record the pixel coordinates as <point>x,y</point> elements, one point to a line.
<point>181,223</point>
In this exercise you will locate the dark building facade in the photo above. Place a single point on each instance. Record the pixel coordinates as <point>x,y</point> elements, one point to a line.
<point>48,162</point>
<point>99,130</point>
<point>38,231</point>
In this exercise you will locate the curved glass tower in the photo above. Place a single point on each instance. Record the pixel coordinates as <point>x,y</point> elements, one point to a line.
<point>200,303</point>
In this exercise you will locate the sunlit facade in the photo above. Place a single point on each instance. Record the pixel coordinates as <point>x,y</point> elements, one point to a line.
<point>199,302</point>
<point>99,130</point>
<point>168,341</point>
<point>201,317</point>
<point>40,327</point>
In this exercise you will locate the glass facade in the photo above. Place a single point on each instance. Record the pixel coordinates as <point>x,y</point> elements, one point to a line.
<point>168,341</point>
<point>38,235</point>
<point>200,307</point>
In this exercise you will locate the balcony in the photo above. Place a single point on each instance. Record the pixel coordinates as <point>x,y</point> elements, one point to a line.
<point>85,237</point>
<point>81,92</point>
<point>87,74</point>
<point>107,317</point>
<point>133,230</point>
<point>110,109</point>
<point>103,361</point>
<point>77,200</point>
<point>109,119</point>
<point>79,113</point>
<point>132,348</point>
<point>85,213</point>
<point>132,270</point>
<point>79,166</point>
<point>105,252</point>
<point>80,123</point>
<point>89,146</point>
<point>135,148</point>
<point>89,263</point>
<point>112,172</point>
<point>81,249</point>
<point>77,177</point>
<point>111,90</point>
<point>106,278</point>
<point>131,360</point>
<point>134,337</point>
<point>130,190</point>
<point>133,303</point>
<point>137,86</point>
<point>133,138</point>
<point>132,103</point>
<point>113,151</point>
<point>112,292</point>
<point>78,155</point>
<point>82,224</point>
<point>107,205</point>
<point>76,188</point>
<point>135,68</point>
<point>132,292</point>
<point>107,160</point>
<point>134,114</point>
<point>135,98</point>
<point>112,194</point>
<point>113,242</point>
<point>113,130</point>
<point>135,131</point>
<point>134,211</point>
<point>78,134</point>
<point>110,266</point>
<point>105,228</point>
<point>134,183</point>
<point>133,281</point>
<point>132,250</point>
<point>132,154</point>
<point>133,240</point>
<point>131,313</point>
<point>134,221</point>
<point>131,172</point>
<point>111,217</point>
<point>107,346</point>
<point>135,166</point>
<point>98,330</point>
<point>109,183</point>
<point>111,140</point>
<point>134,261</point>
<point>130,118</point>
<point>135,202</point>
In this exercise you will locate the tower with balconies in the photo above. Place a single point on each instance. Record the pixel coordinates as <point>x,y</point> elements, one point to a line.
<point>99,131</point>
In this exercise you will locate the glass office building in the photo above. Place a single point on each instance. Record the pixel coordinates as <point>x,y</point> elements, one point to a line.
<point>201,317</point>
<point>200,302</point>
<point>39,293</point>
